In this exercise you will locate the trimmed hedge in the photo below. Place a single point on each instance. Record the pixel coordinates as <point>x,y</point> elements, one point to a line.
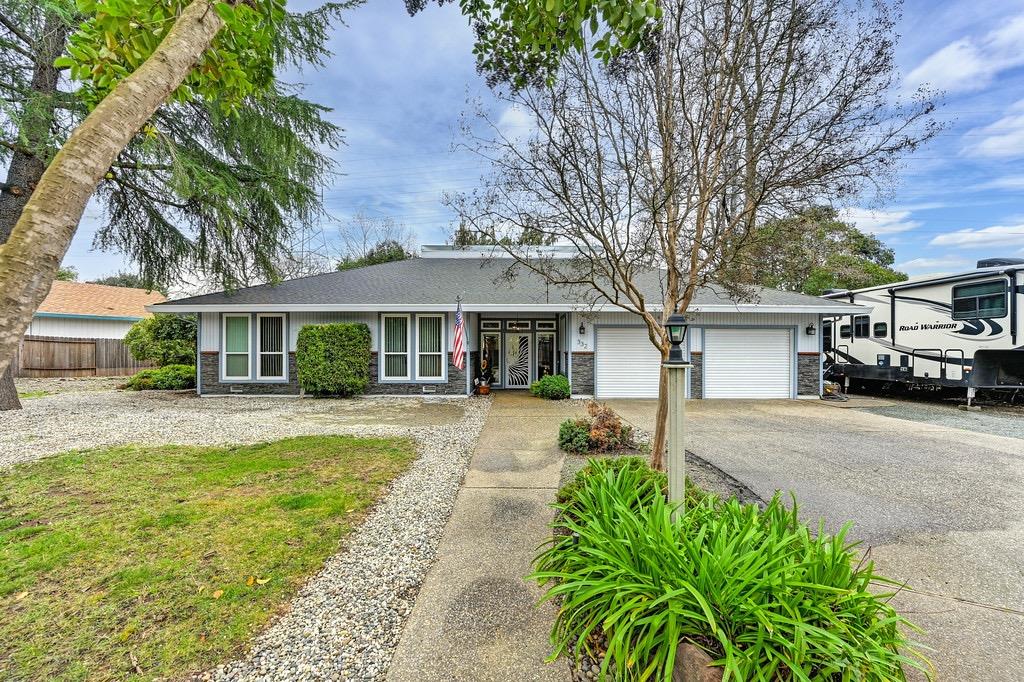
<point>166,378</point>
<point>334,359</point>
<point>551,387</point>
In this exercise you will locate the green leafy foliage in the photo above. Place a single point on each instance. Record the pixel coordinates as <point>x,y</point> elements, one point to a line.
<point>574,435</point>
<point>334,359</point>
<point>601,431</point>
<point>520,41</point>
<point>166,378</point>
<point>767,596</point>
<point>67,274</point>
<point>164,339</point>
<point>118,36</point>
<point>814,251</point>
<point>129,280</point>
<point>551,387</point>
<point>386,251</point>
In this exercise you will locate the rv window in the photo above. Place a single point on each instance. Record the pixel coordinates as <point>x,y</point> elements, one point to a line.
<point>844,331</point>
<point>861,326</point>
<point>983,299</point>
<point>881,329</point>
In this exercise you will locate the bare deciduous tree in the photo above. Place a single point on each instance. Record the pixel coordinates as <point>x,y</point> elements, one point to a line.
<point>364,235</point>
<point>660,167</point>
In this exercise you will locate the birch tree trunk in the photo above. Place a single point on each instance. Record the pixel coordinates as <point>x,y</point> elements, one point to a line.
<point>26,169</point>
<point>32,254</point>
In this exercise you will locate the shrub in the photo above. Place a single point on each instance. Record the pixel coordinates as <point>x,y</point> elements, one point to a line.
<point>166,378</point>
<point>767,597</point>
<point>607,432</point>
<point>163,339</point>
<point>551,387</point>
<point>333,359</point>
<point>574,435</point>
<point>602,431</point>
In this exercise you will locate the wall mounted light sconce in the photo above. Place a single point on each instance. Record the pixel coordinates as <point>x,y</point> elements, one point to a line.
<point>810,330</point>
<point>582,329</point>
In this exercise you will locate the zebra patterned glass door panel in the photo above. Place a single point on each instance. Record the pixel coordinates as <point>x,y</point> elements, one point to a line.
<point>517,360</point>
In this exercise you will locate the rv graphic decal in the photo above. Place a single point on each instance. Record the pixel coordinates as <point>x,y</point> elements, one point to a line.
<point>969,328</point>
<point>919,326</point>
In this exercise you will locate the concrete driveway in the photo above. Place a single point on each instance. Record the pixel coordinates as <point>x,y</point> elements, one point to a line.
<point>939,507</point>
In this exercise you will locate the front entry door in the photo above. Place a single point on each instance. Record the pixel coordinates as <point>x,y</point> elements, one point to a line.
<point>517,360</point>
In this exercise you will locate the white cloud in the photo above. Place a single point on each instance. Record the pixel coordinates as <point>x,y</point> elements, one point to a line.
<point>880,222</point>
<point>917,265</point>
<point>1012,182</point>
<point>1002,139</point>
<point>972,62</point>
<point>996,235</point>
<point>515,123</point>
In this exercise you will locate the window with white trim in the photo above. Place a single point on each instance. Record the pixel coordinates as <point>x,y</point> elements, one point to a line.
<point>270,347</point>
<point>395,347</point>
<point>430,349</point>
<point>236,347</point>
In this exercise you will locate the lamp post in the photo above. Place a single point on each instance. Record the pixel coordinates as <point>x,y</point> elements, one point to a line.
<point>676,365</point>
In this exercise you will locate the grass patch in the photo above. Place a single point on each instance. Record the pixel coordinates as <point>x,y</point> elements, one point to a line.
<point>29,395</point>
<point>152,562</point>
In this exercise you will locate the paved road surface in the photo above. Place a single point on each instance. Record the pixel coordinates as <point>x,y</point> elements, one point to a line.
<point>940,507</point>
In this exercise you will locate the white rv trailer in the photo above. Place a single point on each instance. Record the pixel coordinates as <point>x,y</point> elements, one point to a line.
<point>951,331</point>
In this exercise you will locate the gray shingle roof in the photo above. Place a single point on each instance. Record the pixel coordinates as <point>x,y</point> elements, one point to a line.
<point>437,281</point>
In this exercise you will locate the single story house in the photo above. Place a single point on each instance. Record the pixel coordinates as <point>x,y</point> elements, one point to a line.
<point>91,311</point>
<point>517,330</point>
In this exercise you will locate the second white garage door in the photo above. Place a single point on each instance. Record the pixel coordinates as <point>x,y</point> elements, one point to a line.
<point>626,364</point>
<point>748,363</point>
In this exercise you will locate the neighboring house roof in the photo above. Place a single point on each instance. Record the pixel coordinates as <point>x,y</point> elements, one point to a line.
<point>433,283</point>
<point>80,299</point>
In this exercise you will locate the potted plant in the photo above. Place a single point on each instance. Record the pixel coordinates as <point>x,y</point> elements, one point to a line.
<point>484,381</point>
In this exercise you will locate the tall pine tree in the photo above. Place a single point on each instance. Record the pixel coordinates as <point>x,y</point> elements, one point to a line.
<point>202,188</point>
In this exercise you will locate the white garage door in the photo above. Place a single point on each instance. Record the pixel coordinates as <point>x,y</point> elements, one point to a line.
<point>748,363</point>
<point>626,365</point>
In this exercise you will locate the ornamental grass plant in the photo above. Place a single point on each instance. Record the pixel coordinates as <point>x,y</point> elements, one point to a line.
<point>766,596</point>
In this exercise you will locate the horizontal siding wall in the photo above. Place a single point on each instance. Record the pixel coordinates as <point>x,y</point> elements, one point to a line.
<point>70,327</point>
<point>299,320</point>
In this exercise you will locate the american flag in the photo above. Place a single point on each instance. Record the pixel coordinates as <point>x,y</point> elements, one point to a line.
<point>459,349</point>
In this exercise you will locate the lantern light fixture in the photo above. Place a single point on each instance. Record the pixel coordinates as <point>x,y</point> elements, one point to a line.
<point>676,326</point>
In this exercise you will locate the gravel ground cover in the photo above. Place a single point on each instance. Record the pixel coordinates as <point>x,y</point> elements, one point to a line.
<point>68,384</point>
<point>345,623</point>
<point>994,420</point>
<point>86,419</point>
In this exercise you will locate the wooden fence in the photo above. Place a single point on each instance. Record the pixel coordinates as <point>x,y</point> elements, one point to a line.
<point>58,356</point>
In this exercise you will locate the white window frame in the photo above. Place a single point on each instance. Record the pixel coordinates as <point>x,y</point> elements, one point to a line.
<point>224,347</point>
<point>518,325</point>
<point>490,325</point>
<point>284,347</point>
<point>547,325</point>
<point>384,353</point>
<point>444,348</point>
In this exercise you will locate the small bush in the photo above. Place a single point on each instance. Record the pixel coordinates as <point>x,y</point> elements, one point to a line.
<point>166,378</point>
<point>163,339</point>
<point>333,359</point>
<point>602,431</point>
<point>551,387</point>
<point>574,435</point>
<point>768,597</point>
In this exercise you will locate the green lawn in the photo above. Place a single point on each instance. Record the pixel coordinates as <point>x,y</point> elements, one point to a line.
<point>29,395</point>
<point>143,562</point>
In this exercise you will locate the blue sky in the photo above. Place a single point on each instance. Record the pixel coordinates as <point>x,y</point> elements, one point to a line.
<point>398,85</point>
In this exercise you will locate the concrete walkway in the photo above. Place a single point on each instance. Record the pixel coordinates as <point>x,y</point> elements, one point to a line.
<point>475,617</point>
